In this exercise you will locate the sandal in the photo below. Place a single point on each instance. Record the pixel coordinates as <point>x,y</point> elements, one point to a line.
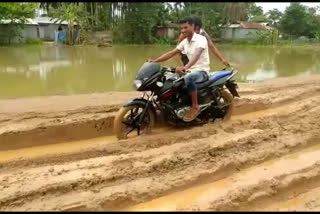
<point>190,115</point>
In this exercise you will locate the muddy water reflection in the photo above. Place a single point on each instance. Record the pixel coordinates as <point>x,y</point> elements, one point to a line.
<point>50,70</point>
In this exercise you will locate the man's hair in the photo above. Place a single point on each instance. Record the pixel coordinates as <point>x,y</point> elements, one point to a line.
<point>188,20</point>
<point>197,21</point>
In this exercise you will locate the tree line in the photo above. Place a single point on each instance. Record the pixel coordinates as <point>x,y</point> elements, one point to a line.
<point>137,22</point>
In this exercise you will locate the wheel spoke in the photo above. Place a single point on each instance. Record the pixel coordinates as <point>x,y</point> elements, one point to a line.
<point>126,123</point>
<point>130,130</point>
<point>224,105</point>
<point>137,116</point>
<point>131,114</point>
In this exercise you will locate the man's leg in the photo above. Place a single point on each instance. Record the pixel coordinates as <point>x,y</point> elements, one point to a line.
<point>195,106</point>
<point>191,80</point>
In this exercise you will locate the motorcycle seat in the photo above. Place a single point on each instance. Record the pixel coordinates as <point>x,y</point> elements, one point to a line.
<point>204,84</point>
<point>213,77</point>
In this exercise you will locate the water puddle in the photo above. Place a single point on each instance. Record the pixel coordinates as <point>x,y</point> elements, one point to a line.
<point>202,193</point>
<point>65,147</point>
<point>179,200</point>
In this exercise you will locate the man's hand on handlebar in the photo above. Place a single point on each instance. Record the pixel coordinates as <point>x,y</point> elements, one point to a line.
<point>181,70</point>
<point>227,64</point>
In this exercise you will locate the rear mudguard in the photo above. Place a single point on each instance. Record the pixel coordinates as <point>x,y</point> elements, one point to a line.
<point>141,103</point>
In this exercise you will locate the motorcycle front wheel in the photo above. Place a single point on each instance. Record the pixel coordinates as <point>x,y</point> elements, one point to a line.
<point>227,99</point>
<point>127,119</point>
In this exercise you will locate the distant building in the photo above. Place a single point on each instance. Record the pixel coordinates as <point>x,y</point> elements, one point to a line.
<point>43,28</point>
<point>30,29</point>
<point>47,27</point>
<point>167,30</point>
<point>242,30</point>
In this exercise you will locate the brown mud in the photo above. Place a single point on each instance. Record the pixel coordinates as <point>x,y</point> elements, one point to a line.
<point>59,153</point>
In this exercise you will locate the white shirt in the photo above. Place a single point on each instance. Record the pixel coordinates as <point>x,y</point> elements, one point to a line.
<point>202,32</point>
<point>189,48</point>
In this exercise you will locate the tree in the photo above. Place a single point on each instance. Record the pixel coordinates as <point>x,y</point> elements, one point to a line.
<point>235,12</point>
<point>140,18</point>
<point>211,14</point>
<point>212,17</point>
<point>15,15</point>
<point>17,12</point>
<point>71,13</point>
<point>313,23</point>
<point>260,18</point>
<point>255,11</point>
<point>294,20</point>
<point>176,12</point>
<point>274,17</point>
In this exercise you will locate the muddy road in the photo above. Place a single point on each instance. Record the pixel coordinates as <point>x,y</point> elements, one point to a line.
<point>58,153</point>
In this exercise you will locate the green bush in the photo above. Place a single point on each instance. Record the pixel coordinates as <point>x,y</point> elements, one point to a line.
<point>33,41</point>
<point>267,37</point>
<point>242,42</point>
<point>10,34</point>
<point>317,36</point>
<point>165,41</point>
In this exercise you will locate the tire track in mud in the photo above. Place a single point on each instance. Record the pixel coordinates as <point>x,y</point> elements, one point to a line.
<point>102,125</point>
<point>192,152</point>
<point>120,175</point>
<point>240,122</point>
<point>247,186</point>
<point>302,197</point>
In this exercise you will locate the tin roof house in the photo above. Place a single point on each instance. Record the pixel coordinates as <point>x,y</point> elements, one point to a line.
<point>242,30</point>
<point>41,27</point>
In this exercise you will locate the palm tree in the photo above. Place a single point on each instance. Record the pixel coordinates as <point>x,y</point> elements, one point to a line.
<point>236,12</point>
<point>69,12</point>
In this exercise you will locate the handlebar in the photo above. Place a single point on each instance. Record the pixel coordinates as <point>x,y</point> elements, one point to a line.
<point>173,69</point>
<point>225,68</point>
<point>168,69</point>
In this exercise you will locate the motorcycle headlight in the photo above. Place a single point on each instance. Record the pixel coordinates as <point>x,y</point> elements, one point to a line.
<point>137,84</point>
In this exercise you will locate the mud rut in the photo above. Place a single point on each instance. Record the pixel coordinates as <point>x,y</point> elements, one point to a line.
<point>267,157</point>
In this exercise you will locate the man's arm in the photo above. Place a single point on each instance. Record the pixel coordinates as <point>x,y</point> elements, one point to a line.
<point>181,37</point>
<point>192,61</point>
<point>214,50</point>
<point>167,55</point>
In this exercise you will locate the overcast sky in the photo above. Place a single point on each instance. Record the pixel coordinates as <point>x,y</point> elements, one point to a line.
<point>282,5</point>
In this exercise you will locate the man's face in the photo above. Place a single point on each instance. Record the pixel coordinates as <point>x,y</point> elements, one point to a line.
<point>187,29</point>
<point>197,29</point>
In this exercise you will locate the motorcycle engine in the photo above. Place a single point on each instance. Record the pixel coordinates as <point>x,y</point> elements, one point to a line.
<point>180,112</point>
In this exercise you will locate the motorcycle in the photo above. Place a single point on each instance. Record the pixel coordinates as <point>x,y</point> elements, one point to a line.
<point>165,94</point>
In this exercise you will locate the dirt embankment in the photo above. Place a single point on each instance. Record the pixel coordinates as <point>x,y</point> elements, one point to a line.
<point>268,152</point>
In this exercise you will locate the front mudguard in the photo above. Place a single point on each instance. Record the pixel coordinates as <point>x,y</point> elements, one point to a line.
<point>142,103</point>
<point>232,87</point>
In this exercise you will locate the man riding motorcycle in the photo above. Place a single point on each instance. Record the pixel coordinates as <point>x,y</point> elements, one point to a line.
<point>199,30</point>
<point>195,46</point>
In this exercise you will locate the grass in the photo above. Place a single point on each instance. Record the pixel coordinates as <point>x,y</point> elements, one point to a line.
<point>281,43</point>
<point>33,41</point>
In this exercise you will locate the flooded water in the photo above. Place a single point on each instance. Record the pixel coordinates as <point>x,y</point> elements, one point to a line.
<point>56,70</point>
